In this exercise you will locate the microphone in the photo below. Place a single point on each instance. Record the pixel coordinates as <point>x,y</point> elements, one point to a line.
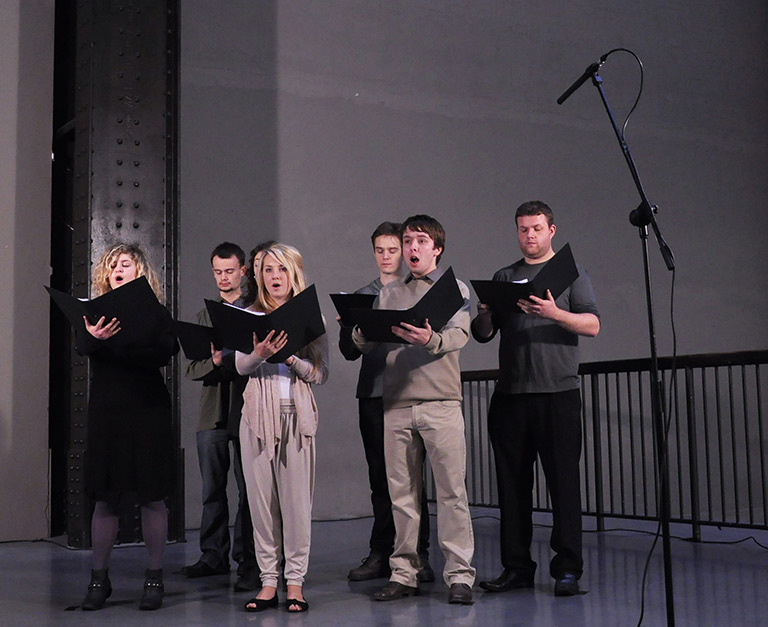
<point>582,79</point>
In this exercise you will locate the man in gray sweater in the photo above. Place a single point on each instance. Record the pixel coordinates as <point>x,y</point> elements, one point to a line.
<point>422,405</point>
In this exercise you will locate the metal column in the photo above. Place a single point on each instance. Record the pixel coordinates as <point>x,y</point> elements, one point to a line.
<point>123,150</point>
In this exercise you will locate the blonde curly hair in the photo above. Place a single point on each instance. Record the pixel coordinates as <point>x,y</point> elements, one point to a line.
<point>101,271</point>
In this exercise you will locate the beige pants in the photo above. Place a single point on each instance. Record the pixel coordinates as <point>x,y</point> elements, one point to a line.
<point>438,428</point>
<point>280,499</point>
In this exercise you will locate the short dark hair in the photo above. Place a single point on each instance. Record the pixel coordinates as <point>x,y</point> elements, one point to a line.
<point>251,288</point>
<point>227,250</point>
<point>260,247</point>
<point>535,208</point>
<point>430,226</point>
<point>386,228</point>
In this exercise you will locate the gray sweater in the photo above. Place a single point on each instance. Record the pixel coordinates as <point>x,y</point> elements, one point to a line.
<point>415,374</point>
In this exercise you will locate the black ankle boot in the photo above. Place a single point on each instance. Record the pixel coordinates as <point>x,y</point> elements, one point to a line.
<point>153,590</point>
<point>98,590</point>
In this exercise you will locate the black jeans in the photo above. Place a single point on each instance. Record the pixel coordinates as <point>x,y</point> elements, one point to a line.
<point>214,457</point>
<point>520,427</point>
<point>383,532</point>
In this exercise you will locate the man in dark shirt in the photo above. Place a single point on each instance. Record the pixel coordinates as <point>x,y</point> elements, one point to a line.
<point>221,402</point>
<point>536,408</point>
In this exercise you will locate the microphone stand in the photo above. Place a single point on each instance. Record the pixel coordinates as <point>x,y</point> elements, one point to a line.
<point>641,218</point>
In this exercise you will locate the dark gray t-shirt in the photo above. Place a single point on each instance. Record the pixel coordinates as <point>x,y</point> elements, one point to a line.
<point>535,354</point>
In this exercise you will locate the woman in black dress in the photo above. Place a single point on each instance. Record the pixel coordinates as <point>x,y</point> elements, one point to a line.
<point>130,437</point>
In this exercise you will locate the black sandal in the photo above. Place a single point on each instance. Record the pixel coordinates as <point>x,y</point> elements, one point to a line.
<point>261,604</point>
<point>302,605</point>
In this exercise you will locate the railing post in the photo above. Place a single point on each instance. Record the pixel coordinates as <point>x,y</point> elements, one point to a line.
<point>709,449</point>
<point>598,451</point>
<point>693,456</point>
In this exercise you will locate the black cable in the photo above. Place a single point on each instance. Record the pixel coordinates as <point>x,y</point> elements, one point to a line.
<point>682,538</point>
<point>639,91</point>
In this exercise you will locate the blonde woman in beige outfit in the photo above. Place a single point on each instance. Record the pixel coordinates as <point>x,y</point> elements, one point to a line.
<point>277,436</point>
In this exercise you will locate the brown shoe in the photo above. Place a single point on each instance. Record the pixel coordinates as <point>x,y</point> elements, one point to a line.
<point>394,590</point>
<point>373,567</point>
<point>460,593</point>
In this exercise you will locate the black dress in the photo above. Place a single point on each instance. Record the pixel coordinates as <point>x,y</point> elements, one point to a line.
<point>130,446</point>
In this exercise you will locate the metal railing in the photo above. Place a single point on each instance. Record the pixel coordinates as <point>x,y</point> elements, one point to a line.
<point>717,447</point>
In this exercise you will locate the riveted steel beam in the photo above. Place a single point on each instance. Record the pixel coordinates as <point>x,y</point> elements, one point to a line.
<point>121,147</point>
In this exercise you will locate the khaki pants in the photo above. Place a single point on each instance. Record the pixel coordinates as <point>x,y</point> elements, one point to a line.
<point>280,497</point>
<point>438,428</point>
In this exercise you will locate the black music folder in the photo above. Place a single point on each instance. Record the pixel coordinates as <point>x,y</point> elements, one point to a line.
<point>438,305</point>
<point>346,302</point>
<point>300,318</point>
<point>129,303</point>
<point>556,276</point>
<point>196,339</point>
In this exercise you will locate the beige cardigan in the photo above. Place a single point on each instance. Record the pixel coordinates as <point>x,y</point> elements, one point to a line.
<point>261,398</point>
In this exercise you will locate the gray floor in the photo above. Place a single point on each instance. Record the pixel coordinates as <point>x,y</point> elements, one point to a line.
<point>720,582</point>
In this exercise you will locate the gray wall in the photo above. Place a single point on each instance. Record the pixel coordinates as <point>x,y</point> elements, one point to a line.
<point>26,94</point>
<point>312,122</point>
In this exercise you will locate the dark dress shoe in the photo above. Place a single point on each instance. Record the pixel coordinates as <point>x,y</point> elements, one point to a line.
<point>394,590</point>
<point>259,605</point>
<point>373,567</point>
<point>567,585</point>
<point>425,574</point>
<point>460,593</point>
<point>201,569</point>
<point>248,581</point>
<point>508,580</point>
